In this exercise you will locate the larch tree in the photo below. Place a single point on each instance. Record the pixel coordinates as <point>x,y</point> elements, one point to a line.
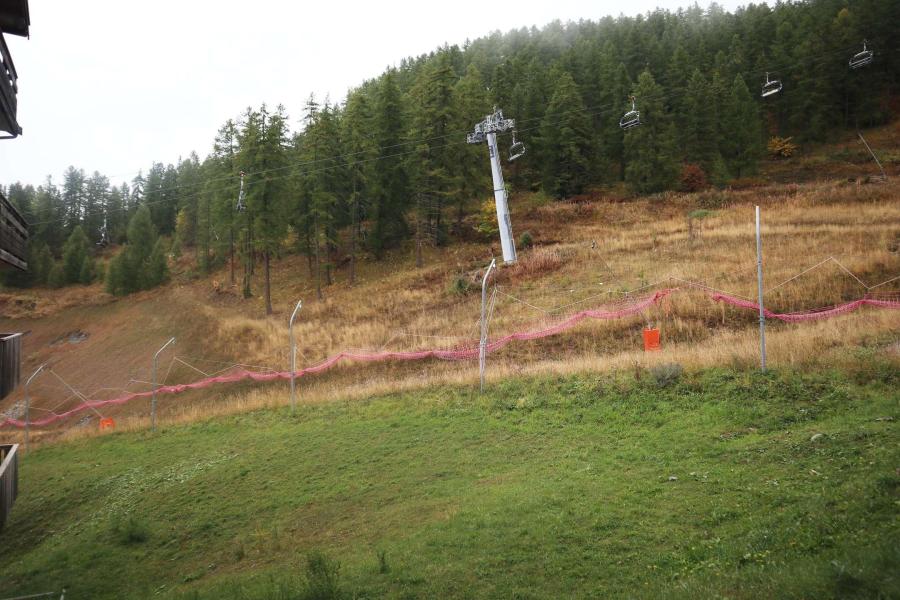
<point>390,185</point>
<point>650,153</point>
<point>567,142</point>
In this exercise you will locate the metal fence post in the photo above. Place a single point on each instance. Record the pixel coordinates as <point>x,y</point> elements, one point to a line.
<point>28,404</point>
<point>762,313</point>
<point>293,352</point>
<point>155,364</point>
<point>482,346</point>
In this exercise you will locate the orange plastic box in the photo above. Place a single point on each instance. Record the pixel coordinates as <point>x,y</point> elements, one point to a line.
<point>651,340</point>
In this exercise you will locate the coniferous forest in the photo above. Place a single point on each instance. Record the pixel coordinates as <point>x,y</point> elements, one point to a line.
<point>390,161</point>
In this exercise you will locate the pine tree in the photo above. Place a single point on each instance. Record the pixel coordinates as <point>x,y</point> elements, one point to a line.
<point>41,265</point>
<point>87,272</point>
<point>116,213</point>
<point>74,254</point>
<point>742,141</point>
<point>699,130</point>
<point>470,163</point>
<point>650,148</point>
<point>141,264</point>
<point>57,277</point>
<point>566,142</point>
<point>359,147</point>
<point>433,159</point>
<point>321,183</point>
<point>73,199</point>
<point>221,218</point>
<point>189,186</point>
<point>391,194</point>
<point>96,197</point>
<point>156,268</point>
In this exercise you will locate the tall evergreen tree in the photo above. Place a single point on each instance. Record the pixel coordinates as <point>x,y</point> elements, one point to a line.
<point>433,160</point>
<point>142,263</point>
<point>566,142</point>
<point>742,136</point>
<point>390,185</point>
<point>469,163</point>
<point>652,164</point>
<point>357,141</point>
<point>75,252</point>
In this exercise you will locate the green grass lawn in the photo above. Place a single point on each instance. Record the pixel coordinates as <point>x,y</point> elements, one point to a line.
<point>589,486</point>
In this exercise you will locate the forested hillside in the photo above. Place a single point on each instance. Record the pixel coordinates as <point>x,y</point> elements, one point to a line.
<point>390,161</point>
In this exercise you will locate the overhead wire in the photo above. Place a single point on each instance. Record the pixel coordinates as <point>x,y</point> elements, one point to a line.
<point>668,95</point>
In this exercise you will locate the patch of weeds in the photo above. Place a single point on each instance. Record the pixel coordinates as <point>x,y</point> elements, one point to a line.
<point>239,552</point>
<point>712,200</point>
<point>383,566</point>
<point>321,581</point>
<point>666,374</point>
<point>460,285</point>
<point>870,364</point>
<point>130,532</point>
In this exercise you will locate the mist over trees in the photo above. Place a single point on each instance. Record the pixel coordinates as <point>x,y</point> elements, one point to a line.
<point>390,161</point>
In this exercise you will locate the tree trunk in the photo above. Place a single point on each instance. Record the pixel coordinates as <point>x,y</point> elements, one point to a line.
<point>268,284</point>
<point>330,252</point>
<point>318,268</point>
<point>353,232</point>
<point>247,259</point>
<point>231,250</point>
<point>250,251</point>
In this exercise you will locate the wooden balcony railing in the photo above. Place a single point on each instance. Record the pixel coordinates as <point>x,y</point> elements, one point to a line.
<point>9,88</point>
<point>13,236</point>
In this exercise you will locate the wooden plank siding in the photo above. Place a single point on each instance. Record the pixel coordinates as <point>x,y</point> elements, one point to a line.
<point>10,362</point>
<point>13,236</point>
<point>9,479</point>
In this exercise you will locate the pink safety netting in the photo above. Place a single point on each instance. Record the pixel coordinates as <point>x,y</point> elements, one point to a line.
<point>631,308</point>
<point>811,315</point>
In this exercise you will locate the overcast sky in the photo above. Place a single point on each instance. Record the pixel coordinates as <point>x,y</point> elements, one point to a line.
<point>113,85</point>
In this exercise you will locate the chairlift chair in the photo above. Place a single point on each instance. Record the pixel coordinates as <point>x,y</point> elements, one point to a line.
<point>771,87</point>
<point>517,149</point>
<point>241,207</point>
<point>861,59</point>
<point>630,119</point>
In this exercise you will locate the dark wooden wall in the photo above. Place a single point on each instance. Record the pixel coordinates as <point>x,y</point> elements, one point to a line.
<point>10,362</point>
<point>9,479</point>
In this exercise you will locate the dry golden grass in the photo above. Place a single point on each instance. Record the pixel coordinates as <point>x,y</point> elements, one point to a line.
<point>586,254</point>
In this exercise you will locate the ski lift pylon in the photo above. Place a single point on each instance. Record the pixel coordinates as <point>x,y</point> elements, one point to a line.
<point>517,149</point>
<point>103,242</point>
<point>771,86</point>
<point>632,118</point>
<point>861,59</point>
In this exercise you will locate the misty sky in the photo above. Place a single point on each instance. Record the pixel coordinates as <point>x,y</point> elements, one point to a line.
<point>112,85</point>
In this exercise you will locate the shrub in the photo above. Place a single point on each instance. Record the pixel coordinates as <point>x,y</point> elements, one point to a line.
<point>666,374</point>
<point>460,285</point>
<point>780,147</point>
<point>487,218</point>
<point>693,178</point>
<point>525,240</point>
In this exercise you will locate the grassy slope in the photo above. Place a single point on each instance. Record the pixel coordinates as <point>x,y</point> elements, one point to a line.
<point>540,488</point>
